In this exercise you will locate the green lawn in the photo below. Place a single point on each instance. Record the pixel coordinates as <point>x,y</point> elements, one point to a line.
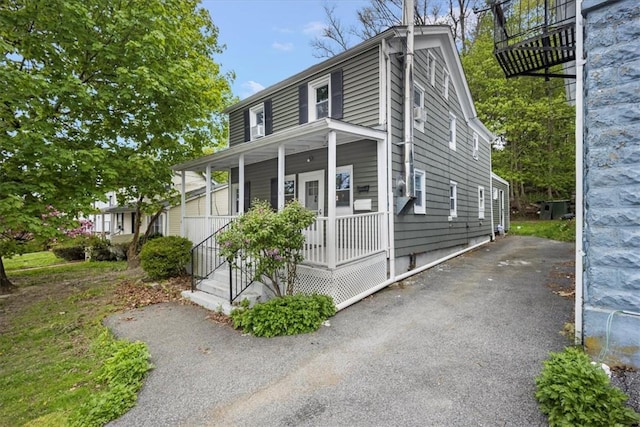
<point>563,230</point>
<point>31,260</point>
<point>53,343</point>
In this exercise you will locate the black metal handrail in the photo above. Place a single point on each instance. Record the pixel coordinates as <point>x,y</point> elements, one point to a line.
<point>205,258</point>
<point>241,276</point>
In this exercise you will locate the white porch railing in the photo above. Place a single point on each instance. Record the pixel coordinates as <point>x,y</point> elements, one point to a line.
<point>197,228</point>
<point>357,236</point>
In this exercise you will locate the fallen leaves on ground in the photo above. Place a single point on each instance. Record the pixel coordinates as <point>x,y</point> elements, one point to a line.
<point>220,318</point>
<point>135,294</point>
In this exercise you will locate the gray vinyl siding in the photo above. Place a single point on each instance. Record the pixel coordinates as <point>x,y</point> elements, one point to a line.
<point>361,97</point>
<point>362,155</point>
<point>417,233</point>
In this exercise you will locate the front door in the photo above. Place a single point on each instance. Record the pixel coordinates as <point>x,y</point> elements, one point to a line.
<point>311,196</point>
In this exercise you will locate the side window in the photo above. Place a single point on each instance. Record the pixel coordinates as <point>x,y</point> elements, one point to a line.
<point>476,145</point>
<point>420,205</point>
<point>453,199</point>
<point>256,119</point>
<point>481,202</point>
<point>431,70</point>
<point>319,99</point>
<point>445,85</point>
<point>419,111</point>
<point>452,131</point>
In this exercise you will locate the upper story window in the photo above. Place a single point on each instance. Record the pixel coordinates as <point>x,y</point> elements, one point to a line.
<point>452,131</point>
<point>431,69</point>
<point>256,119</point>
<point>419,110</point>
<point>419,205</point>
<point>319,98</point>
<point>445,85</point>
<point>476,145</point>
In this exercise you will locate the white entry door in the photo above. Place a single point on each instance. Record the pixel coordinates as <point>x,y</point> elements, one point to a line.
<point>311,196</point>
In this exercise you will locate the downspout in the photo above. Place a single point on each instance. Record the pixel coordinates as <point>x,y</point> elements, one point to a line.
<point>409,193</point>
<point>579,286</point>
<point>390,217</point>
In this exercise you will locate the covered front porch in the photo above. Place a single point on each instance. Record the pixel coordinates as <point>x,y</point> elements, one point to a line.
<point>347,246</point>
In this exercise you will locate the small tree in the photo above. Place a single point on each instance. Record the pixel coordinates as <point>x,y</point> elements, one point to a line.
<point>270,242</point>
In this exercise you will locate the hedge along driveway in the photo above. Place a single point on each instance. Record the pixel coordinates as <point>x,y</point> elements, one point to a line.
<point>457,345</point>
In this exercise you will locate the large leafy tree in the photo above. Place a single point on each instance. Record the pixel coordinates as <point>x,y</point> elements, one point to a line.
<point>92,89</point>
<point>532,114</point>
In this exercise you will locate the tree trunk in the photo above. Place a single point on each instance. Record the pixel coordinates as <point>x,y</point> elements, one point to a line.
<point>5,284</point>
<point>133,259</point>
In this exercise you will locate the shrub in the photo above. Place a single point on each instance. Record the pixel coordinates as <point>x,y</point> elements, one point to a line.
<point>271,242</point>
<point>69,253</point>
<point>100,250</point>
<point>286,315</point>
<point>122,373</point>
<point>571,392</point>
<point>165,256</point>
<point>120,250</point>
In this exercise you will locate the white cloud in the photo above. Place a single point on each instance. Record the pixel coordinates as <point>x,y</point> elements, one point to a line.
<point>251,87</point>
<point>283,30</point>
<point>285,47</point>
<point>314,28</point>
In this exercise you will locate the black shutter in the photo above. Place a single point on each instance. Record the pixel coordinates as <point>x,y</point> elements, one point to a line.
<point>268,117</point>
<point>247,126</point>
<point>336,94</point>
<point>247,196</point>
<point>303,104</point>
<point>274,194</point>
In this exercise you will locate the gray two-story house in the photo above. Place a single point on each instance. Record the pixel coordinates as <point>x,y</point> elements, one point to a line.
<point>384,144</point>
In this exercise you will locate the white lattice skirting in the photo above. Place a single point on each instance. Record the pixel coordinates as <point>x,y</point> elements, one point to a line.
<point>345,281</point>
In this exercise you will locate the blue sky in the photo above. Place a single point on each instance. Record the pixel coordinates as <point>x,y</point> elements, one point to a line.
<point>268,40</point>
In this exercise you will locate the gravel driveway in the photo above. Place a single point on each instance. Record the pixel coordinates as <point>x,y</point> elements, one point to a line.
<point>458,345</point>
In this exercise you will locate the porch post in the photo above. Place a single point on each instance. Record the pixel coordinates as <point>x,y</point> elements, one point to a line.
<point>281,162</point>
<point>183,203</point>
<point>331,199</point>
<point>207,201</point>
<point>382,193</point>
<point>240,184</point>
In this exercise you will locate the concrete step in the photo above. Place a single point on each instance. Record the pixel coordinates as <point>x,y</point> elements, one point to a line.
<point>208,301</point>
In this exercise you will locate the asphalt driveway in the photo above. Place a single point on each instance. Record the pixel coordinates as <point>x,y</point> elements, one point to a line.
<point>458,345</point>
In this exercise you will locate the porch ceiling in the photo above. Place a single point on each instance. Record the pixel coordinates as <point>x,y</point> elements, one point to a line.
<point>297,139</point>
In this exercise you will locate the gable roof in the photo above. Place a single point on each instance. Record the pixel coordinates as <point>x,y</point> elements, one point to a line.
<point>425,37</point>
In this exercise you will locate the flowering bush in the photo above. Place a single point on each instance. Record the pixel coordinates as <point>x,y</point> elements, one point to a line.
<point>269,242</point>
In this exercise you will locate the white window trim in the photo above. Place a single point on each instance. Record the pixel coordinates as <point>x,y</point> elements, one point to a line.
<point>235,196</point>
<point>481,202</point>
<point>453,213</point>
<point>325,80</point>
<point>295,186</point>
<point>419,124</point>
<point>420,174</point>
<point>445,88</point>
<point>432,69</point>
<point>344,210</point>
<point>453,124</point>
<point>253,121</point>
<point>476,145</point>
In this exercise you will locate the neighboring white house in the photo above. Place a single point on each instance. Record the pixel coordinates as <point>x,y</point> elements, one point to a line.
<point>119,220</point>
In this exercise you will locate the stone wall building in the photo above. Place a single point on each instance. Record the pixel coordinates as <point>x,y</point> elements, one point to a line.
<point>609,312</point>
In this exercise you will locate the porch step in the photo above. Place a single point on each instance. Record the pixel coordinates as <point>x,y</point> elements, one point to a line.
<point>208,301</point>
<point>213,294</point>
